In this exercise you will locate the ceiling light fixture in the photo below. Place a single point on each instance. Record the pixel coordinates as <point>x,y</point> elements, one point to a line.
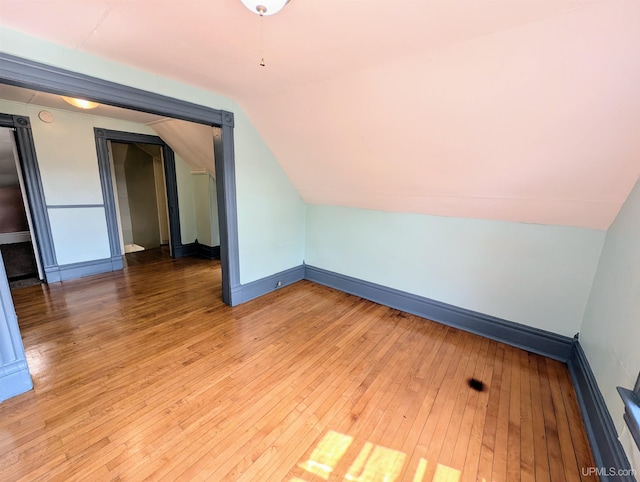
<point>80,103</point>
<point>265,7</point>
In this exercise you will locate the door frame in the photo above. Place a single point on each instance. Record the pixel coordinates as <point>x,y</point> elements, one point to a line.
<point>34,75</point>
<point>34,192</point>
<point>103,137</point>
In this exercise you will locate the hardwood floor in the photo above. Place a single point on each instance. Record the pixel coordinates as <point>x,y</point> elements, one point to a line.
<point>145,374</point>
<point>148,256</point>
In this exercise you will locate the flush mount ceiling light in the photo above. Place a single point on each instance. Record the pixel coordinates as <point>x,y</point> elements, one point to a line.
<point>81,103</point>
<point>265,7</point>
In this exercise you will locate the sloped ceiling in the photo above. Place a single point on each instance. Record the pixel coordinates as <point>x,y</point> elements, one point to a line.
<point>192,142</point>
<point>516,110</point>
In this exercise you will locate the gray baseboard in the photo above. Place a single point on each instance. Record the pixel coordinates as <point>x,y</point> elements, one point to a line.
<point>182,250</point>
<point>603,437</point>
<point>14,379</point>
<point>208,252</point>
<point>531,339</point>
<point>71,271</point>
<point>196,249</point>
<point>249,291</point>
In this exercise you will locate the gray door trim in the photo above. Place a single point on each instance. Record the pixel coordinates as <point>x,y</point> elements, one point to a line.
<point>34,75</point>
<point>35,193</point>
<point>103,136</point>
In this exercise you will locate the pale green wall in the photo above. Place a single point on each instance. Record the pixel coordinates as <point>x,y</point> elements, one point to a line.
<point>79,234</point>
<point>186,202</point>
<point>66,152</point>
<point>611,329</point>
<point>67,157</point>
<point>270,211</point>
<point>213,212</point>
<point>531,274</point>
<point>203,207</point>
<point>206,209</point>
<point>143,204</point>
<point>271,214</point>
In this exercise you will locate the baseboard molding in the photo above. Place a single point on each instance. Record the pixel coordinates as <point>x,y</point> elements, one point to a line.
<point>603,437</point>
<point>241,294</point>
<point>183,250</point>
<point>208,252</point>
<point>14,379</point>
<point>531,339</point>
<point>197,249</point>
<point>71,271</point>
<point>19,237</point>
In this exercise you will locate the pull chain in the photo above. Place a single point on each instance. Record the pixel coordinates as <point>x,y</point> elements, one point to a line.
<point>262,64</point>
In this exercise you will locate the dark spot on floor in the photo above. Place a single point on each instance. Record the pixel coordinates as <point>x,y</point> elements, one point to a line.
<point>476,384</point>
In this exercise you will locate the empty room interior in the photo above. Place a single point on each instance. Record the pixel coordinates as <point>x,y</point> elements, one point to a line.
<point>332,240</point>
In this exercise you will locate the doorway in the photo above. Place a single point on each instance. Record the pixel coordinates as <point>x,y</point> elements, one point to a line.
<point>19,72</point>
<point>17,240</point>
<point>150,221</point>
<point>140,196</point>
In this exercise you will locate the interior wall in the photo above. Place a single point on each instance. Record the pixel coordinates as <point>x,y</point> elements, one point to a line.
<point>70,178</point>
<point>213,212</point>
<point>143,205</point>
<point>161,196</point>
<point>611,327</point>
<point>270,211</point>
<point>186,201</point>
<point>536,275</point>
<point>119,156</point>
<point>202,207</point>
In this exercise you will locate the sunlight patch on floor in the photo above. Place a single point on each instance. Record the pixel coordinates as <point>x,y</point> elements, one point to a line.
<point>327,454</point>
<point>374,463</point>
<point>446,474</point>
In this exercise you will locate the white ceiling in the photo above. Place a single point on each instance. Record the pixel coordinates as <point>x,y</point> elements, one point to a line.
<point>521,110</point>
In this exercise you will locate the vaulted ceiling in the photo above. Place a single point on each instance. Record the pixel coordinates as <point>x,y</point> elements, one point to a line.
<point>522,110</point>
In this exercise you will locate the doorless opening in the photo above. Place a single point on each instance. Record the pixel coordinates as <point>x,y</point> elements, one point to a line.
<point>140,196</point>
<point>19,72</point>
<point>17,240</point>
<point>112,164</point>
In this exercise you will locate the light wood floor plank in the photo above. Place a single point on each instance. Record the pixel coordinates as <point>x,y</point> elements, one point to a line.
<point>471,470</point>
<point>491,420</point>
<point>540,455</point>
<point>527,444</point>
<point>556,467</point>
